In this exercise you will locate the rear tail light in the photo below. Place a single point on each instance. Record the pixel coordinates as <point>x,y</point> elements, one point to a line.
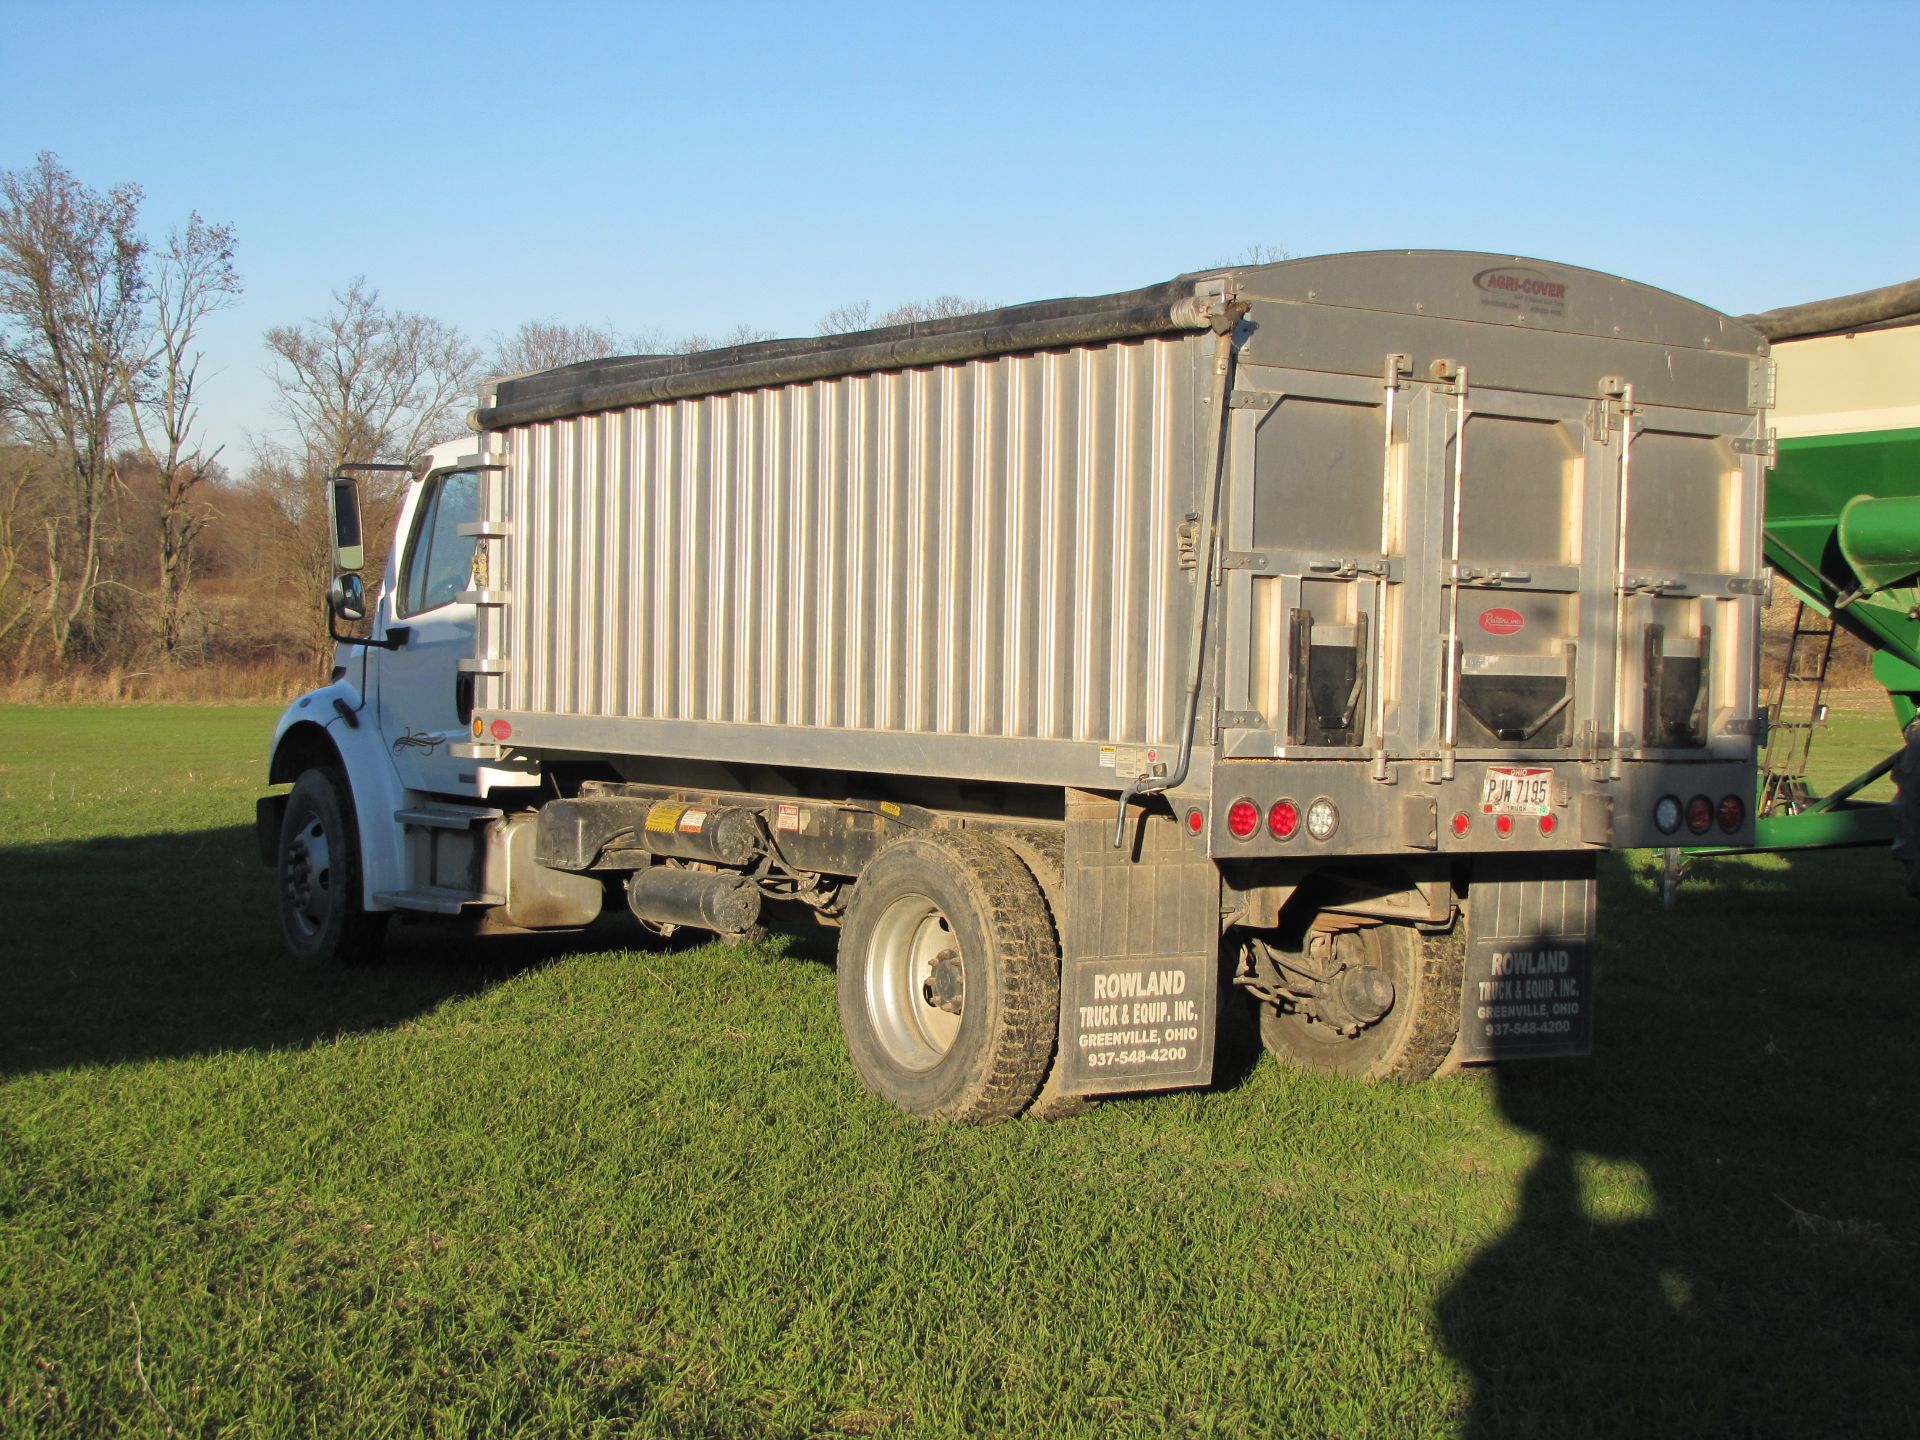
<point>1548,824</point>
<point>1461,824</point>
<point>1699,814</point>
<point>1666,814</point>
<point>1283,819</point>
<point>1243,818</point>
<point>1503,825</point>
<point>1733,813</point>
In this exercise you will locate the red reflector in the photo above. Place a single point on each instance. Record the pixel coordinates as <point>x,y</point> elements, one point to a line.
<point>1548,824</point>
<point>1243,818</point>
<point>1503,824</point>
<point>1461,823</point>
<point>1699,814</point>
<point>1283,819</point>
<point>1196,822</point>
<point>1733,813</point>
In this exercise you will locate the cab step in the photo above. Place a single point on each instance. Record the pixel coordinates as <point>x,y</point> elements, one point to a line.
<point>434,899</point>
<point>432,815</point>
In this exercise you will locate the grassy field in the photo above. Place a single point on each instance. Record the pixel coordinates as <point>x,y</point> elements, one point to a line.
<point>617,1188</point>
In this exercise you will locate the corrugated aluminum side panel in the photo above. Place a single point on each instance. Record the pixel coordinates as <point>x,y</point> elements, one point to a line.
<point>983,548</point>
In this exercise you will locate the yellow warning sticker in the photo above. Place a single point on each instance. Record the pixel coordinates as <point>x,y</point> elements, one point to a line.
<point>662,818</point>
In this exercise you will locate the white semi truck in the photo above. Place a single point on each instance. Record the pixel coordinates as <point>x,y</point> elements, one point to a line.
<point>1294,637</point>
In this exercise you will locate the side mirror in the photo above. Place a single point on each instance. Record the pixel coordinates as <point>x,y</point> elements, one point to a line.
<point>343,509</point>
<point>348,599</point>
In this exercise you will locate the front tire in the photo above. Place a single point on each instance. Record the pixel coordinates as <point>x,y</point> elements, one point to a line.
<point>322,917</point>
<point>949,985</point>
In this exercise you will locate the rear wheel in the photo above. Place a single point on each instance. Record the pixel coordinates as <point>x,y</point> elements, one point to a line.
<point>948,978</point>
<point>1384,1002</point>
<point>321,914</point>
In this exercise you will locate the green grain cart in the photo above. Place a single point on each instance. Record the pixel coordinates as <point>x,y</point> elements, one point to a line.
<point>1843,531</point>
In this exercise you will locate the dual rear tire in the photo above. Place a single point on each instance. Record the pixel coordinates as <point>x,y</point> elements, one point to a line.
<point>949,978</point>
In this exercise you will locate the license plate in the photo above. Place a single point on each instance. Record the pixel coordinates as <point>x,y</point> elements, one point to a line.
<point>1511,790</point>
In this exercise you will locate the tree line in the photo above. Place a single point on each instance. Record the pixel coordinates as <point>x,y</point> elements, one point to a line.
<point>136,556</point>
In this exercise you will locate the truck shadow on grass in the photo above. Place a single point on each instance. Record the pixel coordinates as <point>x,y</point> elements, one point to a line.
<point>159,946</point>
<point>1717,1236</point>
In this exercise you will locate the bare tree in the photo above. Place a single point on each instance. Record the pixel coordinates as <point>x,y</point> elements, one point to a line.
<point>364,383</point>
<point>858,314</point>
<point>361,383</point>
<point>20,467</point>
<point>548,344</point>
<point>73,296</point>
<point>1258,253</point>
<point>846,318</point>
<point>741,334</point>
<point>192,278</point>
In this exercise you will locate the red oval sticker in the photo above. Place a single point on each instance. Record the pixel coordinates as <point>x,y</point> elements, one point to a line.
<point>1502,621</point>
<point>501,730</point>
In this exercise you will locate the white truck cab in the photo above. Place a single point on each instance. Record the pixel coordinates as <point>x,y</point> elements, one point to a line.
<point>390,802</point>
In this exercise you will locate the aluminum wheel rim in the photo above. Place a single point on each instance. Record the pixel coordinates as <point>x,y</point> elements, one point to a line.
<point>306,878</point>
<point>909,938</point>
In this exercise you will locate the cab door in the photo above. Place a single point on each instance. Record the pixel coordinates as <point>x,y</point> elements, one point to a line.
<point>425,701</point>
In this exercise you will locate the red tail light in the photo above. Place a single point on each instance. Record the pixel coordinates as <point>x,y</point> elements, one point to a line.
<point>1699,814</point>
<point>1503,824</point>
<point>1733,813</point>
<point>1283,819</point>
<point>1243,818</point>
<point>1548,824</point>
<point>1461,824</point>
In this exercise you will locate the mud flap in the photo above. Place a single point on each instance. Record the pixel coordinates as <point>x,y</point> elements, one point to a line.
<point>1140,943</point>
<point>1529,970</point>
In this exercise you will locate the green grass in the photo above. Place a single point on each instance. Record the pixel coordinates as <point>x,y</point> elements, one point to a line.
<point>548,1190</point>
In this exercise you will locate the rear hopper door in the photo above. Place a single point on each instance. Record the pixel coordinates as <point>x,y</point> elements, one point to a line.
<point>1509,545</point>
<point>1685,569</point>
<point>1315,547</point>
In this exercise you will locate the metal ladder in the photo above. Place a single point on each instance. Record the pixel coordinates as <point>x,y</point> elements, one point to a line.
<point>1796,711</point>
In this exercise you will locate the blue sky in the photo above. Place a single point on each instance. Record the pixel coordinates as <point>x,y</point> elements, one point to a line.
<point>684,168</point>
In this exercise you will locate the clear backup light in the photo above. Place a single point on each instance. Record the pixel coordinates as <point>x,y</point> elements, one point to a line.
<point>1243,818</point>
<point>1283,819</point>
<point>1732,813</point>
<point>1322,819</point>
<point>1666,814</point>
<point>1699,814</point>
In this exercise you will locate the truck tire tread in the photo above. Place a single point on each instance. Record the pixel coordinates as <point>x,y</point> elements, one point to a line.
<point>1022,1015</point>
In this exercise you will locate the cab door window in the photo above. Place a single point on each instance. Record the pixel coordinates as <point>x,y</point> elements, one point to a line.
<point>438,563</point>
